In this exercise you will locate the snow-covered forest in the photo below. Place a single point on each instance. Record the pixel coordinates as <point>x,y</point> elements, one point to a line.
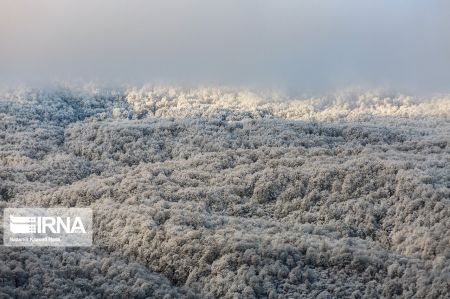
<point>230,193</point>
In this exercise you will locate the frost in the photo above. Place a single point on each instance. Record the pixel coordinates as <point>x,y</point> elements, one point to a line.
<point>215,192</point>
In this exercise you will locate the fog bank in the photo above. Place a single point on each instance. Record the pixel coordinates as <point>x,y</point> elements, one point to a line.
<point>301,45</point>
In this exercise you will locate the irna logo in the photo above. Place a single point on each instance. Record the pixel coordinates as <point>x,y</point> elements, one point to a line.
<point>47,227</point>
<point>56,225</point>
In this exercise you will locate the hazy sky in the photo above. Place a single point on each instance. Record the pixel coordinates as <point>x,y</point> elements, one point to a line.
<point>314,44</point>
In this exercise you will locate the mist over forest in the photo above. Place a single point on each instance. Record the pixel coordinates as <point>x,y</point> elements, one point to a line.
<point>298,45</point>
<point>228,148</point>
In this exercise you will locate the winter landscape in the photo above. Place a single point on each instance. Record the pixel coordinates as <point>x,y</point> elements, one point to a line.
<point>222,193</point>
<point>224,149</point>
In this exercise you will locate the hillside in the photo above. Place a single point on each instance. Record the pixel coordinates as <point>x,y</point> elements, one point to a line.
<point>224,193</point>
